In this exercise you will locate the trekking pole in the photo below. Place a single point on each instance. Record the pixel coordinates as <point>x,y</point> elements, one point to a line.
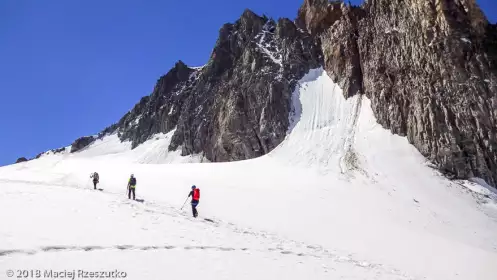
<point>184,203</point>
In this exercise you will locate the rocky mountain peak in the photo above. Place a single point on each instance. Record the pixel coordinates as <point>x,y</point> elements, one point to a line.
<point>429,68</point>
<point>180,66</point>
<point>250,23</point>
<point>237,105</point>
<point>249,16</point>
<point>285,28</point>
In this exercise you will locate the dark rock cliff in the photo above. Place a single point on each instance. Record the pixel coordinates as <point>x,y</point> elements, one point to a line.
<point>429,67</point>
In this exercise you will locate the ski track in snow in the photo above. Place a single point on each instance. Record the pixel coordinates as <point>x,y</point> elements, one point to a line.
<point>339,198</point>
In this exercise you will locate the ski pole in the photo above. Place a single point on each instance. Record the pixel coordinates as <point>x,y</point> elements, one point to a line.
<point>184,203</point>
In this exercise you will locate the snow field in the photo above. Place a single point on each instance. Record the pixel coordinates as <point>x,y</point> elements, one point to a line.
<point>354,200</point>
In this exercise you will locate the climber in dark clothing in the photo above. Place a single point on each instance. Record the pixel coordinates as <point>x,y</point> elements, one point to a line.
<point>95,179</point>
<point>195,194</point>
<point>131,186</point>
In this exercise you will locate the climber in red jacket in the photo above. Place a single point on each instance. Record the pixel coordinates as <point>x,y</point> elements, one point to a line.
<point>195,194</point>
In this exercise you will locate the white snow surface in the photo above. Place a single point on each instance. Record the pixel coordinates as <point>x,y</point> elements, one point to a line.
<point>340,198</point>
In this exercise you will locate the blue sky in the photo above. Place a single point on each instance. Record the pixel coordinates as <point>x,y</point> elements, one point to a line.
<point>71,68</point>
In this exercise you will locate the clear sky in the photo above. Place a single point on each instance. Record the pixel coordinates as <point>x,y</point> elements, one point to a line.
<point>71,68</point>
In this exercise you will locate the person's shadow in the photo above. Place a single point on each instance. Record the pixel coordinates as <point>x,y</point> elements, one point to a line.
<point>140,200</point>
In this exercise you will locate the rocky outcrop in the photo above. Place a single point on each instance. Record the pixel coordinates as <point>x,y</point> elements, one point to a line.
<point>53,151</point>
<point>429,67</point>
<point>160,111</point>
<point>60,150</point>
<point>21,159</point>
<point>236,106</point>
<point>316,16</point>
<point>82,143</point>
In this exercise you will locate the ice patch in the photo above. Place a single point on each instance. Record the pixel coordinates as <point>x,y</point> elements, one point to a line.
<point>321,121</point>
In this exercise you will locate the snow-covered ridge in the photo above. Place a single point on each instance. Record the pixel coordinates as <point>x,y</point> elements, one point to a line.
<point>110,147</point>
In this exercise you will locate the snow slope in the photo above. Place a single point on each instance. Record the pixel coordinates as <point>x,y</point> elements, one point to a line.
<point>340,198</point>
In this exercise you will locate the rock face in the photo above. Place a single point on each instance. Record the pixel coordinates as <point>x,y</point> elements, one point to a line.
<point>429,67</point>
<point>236,106</point>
